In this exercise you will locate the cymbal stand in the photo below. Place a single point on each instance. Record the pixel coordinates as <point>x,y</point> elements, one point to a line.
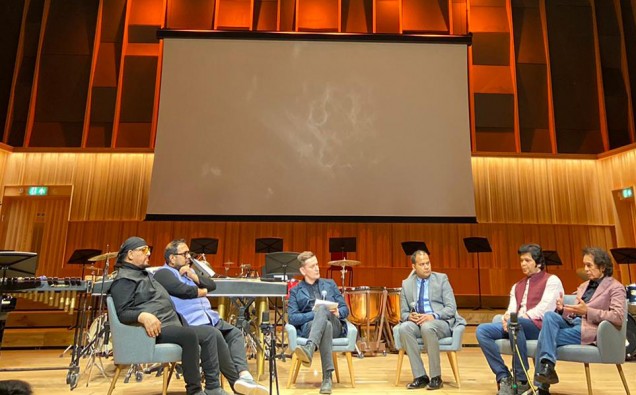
<point>343,271</point>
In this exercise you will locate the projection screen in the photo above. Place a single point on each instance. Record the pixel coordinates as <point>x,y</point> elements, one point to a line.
<point>312,129</point>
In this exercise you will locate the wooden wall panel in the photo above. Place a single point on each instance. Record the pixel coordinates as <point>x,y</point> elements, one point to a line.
<point>106,186</point>
<point>538,190</point>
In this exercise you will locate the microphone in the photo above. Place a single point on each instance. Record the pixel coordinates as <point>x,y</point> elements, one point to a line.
<point>514,321</point>
<point>413,307</point>
<point>324,294</point>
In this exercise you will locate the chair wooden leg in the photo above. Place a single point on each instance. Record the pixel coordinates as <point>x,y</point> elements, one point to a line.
<point>350,364</point>
<point>588,377</point>
<point>115,377</point>
<point>620,371</point>
<point>166,378</point>
<point>399,367</point>
<point>334,356</point>
<point>452,359</point>
<point>293,371</point>
<point>172,366</point>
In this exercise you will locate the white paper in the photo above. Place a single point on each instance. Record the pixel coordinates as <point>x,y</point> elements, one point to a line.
<point>330,305</point>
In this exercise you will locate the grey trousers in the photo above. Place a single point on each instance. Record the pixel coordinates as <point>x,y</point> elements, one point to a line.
<point>324,327</point>
<point>235,343</point>
<point>430,332</point>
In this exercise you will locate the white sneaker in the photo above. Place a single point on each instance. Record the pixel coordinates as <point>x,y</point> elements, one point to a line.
<point>249,387</point>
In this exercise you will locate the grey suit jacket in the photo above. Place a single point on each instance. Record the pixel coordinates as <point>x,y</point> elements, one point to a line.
<point>440,294</point>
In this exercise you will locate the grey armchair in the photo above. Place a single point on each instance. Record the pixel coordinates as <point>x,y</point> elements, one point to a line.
<point>131,345</point>
<point>449,345</point>
<point>609,349</point>
<point>343,344</point>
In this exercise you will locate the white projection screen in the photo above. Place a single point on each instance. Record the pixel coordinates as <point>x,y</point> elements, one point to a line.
<point>312,127</point>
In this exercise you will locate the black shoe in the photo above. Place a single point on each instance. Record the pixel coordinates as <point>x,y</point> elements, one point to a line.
<point>325,387</point>
<point>305,354</point>
<point>547,374</point>
<point>419,382</point>
<point>543,391</point>
<point>435,384</point>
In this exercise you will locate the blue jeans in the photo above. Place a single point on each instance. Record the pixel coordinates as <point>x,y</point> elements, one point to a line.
<point>556,332</point>
<point>488,333</point>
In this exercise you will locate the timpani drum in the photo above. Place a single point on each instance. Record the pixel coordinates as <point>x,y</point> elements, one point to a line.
<point>393,305</point>
<point>631,298</point>
<point>364,304</point>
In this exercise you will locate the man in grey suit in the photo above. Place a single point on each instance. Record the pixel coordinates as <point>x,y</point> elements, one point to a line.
<point>427,307</point>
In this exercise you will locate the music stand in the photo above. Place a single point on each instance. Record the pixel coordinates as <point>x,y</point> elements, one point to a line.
<point>82,256</point>
<point>282,263</point>
<point>204,245</point>
<point>341,245</point>
<point>626,256</point>
<point>477,245</point>
<point>551,259</point>
<point>266,245</point>
<point>409,247</point>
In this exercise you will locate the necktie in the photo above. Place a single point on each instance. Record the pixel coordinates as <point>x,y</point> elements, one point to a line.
<point>420,298</point>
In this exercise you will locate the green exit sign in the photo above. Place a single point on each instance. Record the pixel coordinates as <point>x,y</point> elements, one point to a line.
<point>38,191</point>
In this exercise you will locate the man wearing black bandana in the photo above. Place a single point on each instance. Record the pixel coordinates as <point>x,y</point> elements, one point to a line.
<point>139,299</point>
<point>600,298</point>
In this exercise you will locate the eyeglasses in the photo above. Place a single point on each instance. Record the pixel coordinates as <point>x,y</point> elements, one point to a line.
<point>183,254</point>
<point>145,250</point>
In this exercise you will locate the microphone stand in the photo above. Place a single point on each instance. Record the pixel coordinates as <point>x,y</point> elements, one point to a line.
<point>513,327</point>
<point>268,331</point>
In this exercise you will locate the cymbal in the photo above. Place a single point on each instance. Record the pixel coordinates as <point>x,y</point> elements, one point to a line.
<point>581,273</point>
<point>103,257</point>
<point>345,262</point>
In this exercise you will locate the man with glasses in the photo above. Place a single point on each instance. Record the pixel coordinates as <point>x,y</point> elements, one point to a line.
<point>189,294</point>
<point>427,309</point>
<point>139,299</point>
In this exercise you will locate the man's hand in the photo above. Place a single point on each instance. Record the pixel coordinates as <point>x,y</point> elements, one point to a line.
<point>559,302</point>
<point>579,309</point>
<point>150,323</point>
<point>202,292</point>
<point>188,272</point>
<point>419,319</point>
<point>504,322</point>
<point>336,312</point>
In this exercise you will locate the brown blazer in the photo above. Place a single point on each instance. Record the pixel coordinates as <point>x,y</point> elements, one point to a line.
<point>607,303</point>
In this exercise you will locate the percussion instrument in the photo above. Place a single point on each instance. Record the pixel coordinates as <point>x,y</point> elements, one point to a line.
<point>630,342</point>
<point>96,335</point>
<point>364,304</point>
<point>367,306</point>
<point>393,305</point>
<point>631,298</point>
<point>60,293</point>
<point>345,262</point>
<point>103,257</point>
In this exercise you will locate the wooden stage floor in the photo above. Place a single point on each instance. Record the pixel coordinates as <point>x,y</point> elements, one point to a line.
<point>373,375</point>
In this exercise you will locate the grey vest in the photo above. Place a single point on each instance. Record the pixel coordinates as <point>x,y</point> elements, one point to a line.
<point>151,296</point>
